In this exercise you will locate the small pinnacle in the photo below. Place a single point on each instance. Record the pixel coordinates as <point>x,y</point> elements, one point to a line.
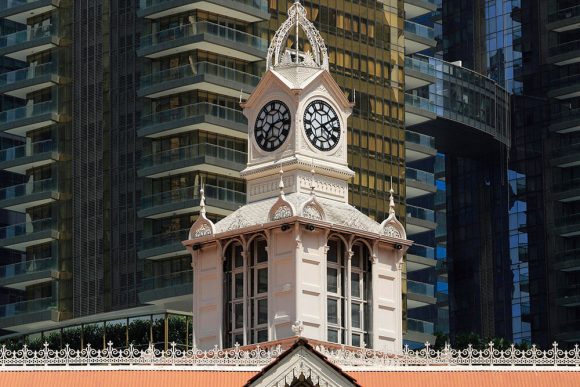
<point>281,185</point>
<point>202,200</point>
<point>391,201</point>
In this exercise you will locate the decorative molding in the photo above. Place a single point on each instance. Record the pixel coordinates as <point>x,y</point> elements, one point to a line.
<point>202,230</point>
<point>282,212</point>
<point>311,211</point>
<point>391,231</point>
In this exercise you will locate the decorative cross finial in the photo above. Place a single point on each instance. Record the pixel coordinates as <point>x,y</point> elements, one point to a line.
<point>297,328</point>
<point>202,200</point>
<point>281,185</point>
<point>391,199</point>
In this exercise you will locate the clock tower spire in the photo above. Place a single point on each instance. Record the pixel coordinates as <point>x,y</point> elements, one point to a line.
<point>297,117</point>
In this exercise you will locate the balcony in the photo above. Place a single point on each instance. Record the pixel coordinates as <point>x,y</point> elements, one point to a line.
<point>566,19</point>
<point>24,196</point>
<point>568,331</point>
<point>20,158</point>
<point>419,220</point>
<point>568,226</point>
<point>199,116</point>
<point>19,45</point>
<point>22,274</point>
<point>567,261</point>
<point>419,331</point>
<point>419,183</point>
<point>197,157</point>
<point>569,296</point>
<point>21,120</point>
<point>568,191</point>
<point>418,146</point>
<point>418,73</point>
<point>420,294</point>
<point>250,11</point>
<point>26,312</point>
<point>201,76</point>
<point>416,8</point>
<point>418,37</point>
<point>566,155</point>
<point>418,110</point>
<point>420,257</point>
<point>20,82</point>
<point>23,235</point>
<point>565,87</point>
<point>20,11</point>
<point>219,201</point>
<point>205,36</point>
<point>566,121</point>
<point>565,53</point>
<point>165,245</point>
<point>168,288</point>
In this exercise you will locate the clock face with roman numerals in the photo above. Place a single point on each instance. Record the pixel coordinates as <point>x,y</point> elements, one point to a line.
<point>321,125</point>
<point>272,126</point>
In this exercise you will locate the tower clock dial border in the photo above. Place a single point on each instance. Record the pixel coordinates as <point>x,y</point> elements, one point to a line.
<point>272,125</point>
<point>322,125</point>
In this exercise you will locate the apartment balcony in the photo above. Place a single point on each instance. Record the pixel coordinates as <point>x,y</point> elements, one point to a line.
<point>20,11</point>
<point>167,288</point>
<point>419,331</point>
<point>419,183</point>
<point>23,235</point>
<point>566,19</point>
<point>26,312</point>
<point>21,120</point>
<point>418,73</point>
<point>418,110</point>
<point>420,257</point>
<point>22,274</point>
<point>565,156</point>
<point>21,197</point>
<point>19,45</point>
<point>569,296</point>
<point>219,201</point>
<point>250,11</point>
<point>198,116</point>
<point>416,8</point>
<point>205,36</point>
<point>568,191</point>
<point>565,53</point>
<point>20,82</point>
<point>21,158</point>
<point>418,37</point>
<point>201,76</point>
<point>568,260</point>
<point>418,146</point>
<point>568,226</point>
<point>419,220</point>
<point>420,294</point>
<point>568,331</point>
<point>565,87</point>
<point>197,157</point>
<point>566,121</point>
<point>164,245</point>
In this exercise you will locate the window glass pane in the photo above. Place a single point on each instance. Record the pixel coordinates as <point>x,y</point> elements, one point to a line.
<point>238,256</point>
<point>116,332</point>
<point>159,330</point>
<point>355,313</point>
<point>355,284</point>
<point>177,330</point>
<point>262,255</point>
<point>356,257</point>
<point>139,328</point>
<point>332,255</point>
<point>92,334</point>
<point>239,315</point>
<point>263,311</point>
<point>332,311</point>
<point>263,281</point>
<point>332,280</point>
<point>239,338</point>
<point>355,340</point>
<point>333,335</point>
<point>239,285</point>
<point>262,335</point>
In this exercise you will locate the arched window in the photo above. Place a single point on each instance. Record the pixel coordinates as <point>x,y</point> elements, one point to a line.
<point>246,294</point>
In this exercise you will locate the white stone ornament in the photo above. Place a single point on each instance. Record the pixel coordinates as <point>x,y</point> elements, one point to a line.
<point>202,226</point>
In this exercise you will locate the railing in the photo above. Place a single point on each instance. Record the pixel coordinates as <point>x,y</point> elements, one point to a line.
<point>420,103</point>
<point>420,326</point>
<point>420,139</point>
<point>565,81</point>
<point>26,74</point>
<point>26,150</point>
<point>424,67</point>
<point>565,115</point>
<point>568,255</point>
<point>28,111</point>
<point>204,27</point>
<point>194,110</point>
<point>165,239</point>
<point>568,220</point>
<point>199,68</point>
<point>26,228</point>
<point>167,280</point>
<point>422,251</point>
<point>420,176</point>
<point>37,305</point>
<point>565,48</point>
<point>420,288</point>
<point>192,193</point>
<point>29,188</point>
<point>261,5</point>
<point>27,35</point>
<point>419,29</point>
<point>7,4</point>
<point>420,213</point>
<point>565,13</point>
<point>20,268</point>
<point>566,149</point>
<point>191,152</point>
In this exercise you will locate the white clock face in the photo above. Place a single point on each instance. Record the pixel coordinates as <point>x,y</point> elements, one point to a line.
<point>272,126</point>
<point>321,125</point>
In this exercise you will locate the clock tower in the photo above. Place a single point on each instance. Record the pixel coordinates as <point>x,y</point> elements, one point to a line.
<point>297,258</point>
<point>297,118</point>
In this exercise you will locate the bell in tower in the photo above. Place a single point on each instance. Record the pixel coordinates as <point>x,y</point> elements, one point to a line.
<point>297,259</point>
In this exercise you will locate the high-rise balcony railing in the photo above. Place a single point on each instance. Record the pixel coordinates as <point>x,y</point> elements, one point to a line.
<point>419,29</point>
<point>420,176</point>
<point>421,66</point>
<point>420,139</point>
<point>22,235</point>
<point>564,48</point>
<point>18,45</point>
<point>20,120</point>
<point>563,14</point>
<point>19,10</point>
<point>421,288</point>
<point>565,87</point>
<point>248,10</point>
<point>166,286</point>
<point>163,245</point>
<point>420,213</point>
<point>566,155</point>
<point>418,37</point>
<point>420,326</point>
<point>25,36</point>
<point>32,306</point>
<point>192,193</point>
<point>19,83</point>
<point>563,20</point>
<point>565,121</point>
<point>215,37</point>
<point>20,197</point>
<point>19,158</point>
<point>422,251</point>
<point>191,117</point>
<point>21,274</point>
<point>202,75</point>
<point>568,225</point>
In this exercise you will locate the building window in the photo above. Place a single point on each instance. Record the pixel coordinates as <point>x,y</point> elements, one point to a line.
<point>335,271</point>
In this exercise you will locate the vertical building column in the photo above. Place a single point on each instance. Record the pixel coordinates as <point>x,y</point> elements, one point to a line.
<point>371,297</point>
<point>347,312</point>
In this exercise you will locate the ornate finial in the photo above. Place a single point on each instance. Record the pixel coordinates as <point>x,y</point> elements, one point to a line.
<point>297,328</point>
<point>391,199</point>
<point>281,185</point>
<point>202,200</point>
